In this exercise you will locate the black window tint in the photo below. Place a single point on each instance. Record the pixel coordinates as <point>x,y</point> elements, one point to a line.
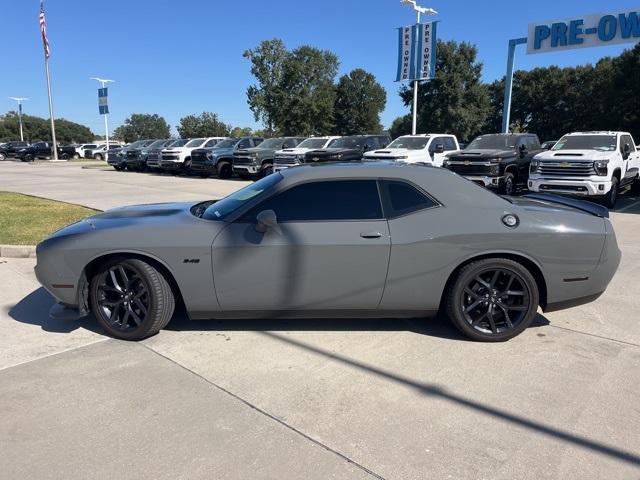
<point>290,143</point>
<point>449,144</point>
<point>324,201</point>
<point>627,139</point>
<point>246,143</point>
<point>403,198</point>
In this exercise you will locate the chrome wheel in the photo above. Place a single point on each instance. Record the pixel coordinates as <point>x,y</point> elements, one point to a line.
<point>123,297</point>
<point>495,301</point>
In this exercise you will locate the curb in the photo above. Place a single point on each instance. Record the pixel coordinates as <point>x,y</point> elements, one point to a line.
<point>18,251</point>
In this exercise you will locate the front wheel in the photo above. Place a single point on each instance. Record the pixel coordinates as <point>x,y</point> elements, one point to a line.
<point>97,156</point>
<point>611,197</point>
<point>224,170</point>
<point>266,170</point>
<point>131,299</point>
<point>28,158</point>
<point>76,156</point>
<point>493,300</point>
<point>3,157</point>
<point>508,186</point>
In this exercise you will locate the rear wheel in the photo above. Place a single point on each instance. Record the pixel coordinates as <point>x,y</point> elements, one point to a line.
<point>97,156</point>
<point>64,156</point>
<point>76,156</point>
<point>493,300</point>
<point>611,197</point>
<point>3,156</point>
<point>224,170</point>
<point>131,299</point>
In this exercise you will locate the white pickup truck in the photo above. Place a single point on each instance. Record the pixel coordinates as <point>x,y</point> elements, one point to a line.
<point>428,148</point>
<point>178,158</point>
<point>590,164</point>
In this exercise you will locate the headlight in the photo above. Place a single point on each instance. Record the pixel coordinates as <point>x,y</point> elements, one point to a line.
<point>144,152</point>
<point>402,157</point>
<point>339,156</point>
<point>535,166</point>
<point>253,155</point>
<point>600,166</point>
<point>445,163</point>
<point>209,156</point>
<point>494,169</point>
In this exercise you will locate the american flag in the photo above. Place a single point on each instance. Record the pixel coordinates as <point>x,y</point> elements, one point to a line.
<point>43,30</point>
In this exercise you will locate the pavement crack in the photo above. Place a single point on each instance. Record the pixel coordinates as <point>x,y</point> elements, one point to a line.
<point>601,337</point>
<point>271,416</point>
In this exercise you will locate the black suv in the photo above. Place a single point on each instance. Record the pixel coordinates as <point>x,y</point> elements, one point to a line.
<point>499,160</point>
<point>10,149</point>
<point>347,149</point>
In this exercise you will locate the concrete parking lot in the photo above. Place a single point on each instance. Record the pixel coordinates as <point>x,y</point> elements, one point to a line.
<point>393,399</point>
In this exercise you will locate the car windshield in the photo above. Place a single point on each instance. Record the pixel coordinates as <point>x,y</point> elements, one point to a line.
<point>493,142</point>
<point>196,142</point>
<point>410,143</point>
<point>228,143</point>
<point>349,142</point>
<point>222,209</point>
<point>313,143</point>
<point>157,144</point>
<point>602,143</point>
<point>179,143</point>
<point>272,143</point>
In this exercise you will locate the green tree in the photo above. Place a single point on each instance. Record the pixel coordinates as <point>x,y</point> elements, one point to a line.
<point>143,126</point>
<point>359,101</point>
<point>267,65</point>
<point>207,124</point>
<point>455,101</point>
<point>400,126</point>
<point>36,128</point>
<point>240,132</point>
<point>294,93</point>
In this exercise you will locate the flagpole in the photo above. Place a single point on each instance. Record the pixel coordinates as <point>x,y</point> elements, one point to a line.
<point>53,125</point>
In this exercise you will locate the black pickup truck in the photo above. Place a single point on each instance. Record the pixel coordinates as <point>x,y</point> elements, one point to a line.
<point>499,161</point>
<point>348,149</point>
<point>10,149</point>
<point>44,150</point>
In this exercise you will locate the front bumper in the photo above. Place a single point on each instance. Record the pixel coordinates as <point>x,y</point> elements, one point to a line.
<point>170,165</point>
<point>485,180</point>
<point>252,169</point>
<point>587,187</point>
<point>203,167</point>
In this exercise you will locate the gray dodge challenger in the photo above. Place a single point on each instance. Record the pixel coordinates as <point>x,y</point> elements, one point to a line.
<point>342,240</point>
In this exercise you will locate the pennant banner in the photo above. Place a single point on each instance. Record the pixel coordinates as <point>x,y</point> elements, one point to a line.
<point>427,42</point>
<point>103,106</point>
<point>416,52</point>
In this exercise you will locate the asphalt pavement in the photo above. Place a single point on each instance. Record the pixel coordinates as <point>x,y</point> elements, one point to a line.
<point>393,399</point>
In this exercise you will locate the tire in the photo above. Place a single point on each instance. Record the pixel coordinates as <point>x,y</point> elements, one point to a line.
<point>97,156</point>
<point>508,186</point>
<point>186,166</point>
<point>225,171</point>
<point>611,197</point>
<point>28,158</point>
<point>119,168</point>
<point>266,170</point>
<point>76,156</point>
<point>122,291</point>
<point>64,156</point>
<point>3,157</point>
<point>477,299</point>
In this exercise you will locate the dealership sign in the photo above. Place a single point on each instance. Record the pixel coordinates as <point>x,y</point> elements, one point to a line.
<point>585,31</point>
<point>103,102</point>
<point>416,52</point>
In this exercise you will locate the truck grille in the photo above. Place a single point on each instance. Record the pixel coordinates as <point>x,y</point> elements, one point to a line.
<point>198,158</point>
<point>566,169</point>
<point>243,161</point>
<point>286,160</point>
<point>132,154</point>
<point>170,156</point>
<point>470,169</point>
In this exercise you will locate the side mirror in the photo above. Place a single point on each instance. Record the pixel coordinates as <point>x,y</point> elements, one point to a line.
<point>626,150</point>
<point>439,148</point>
<point>523,150</point>
<point>266,220</point>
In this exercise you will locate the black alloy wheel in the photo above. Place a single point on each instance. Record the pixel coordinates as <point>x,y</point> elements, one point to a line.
<point>224,170</point>
<point>493,300</point>
<point>266,170</point>
<point>508,186</point>
<point>131,299</point>
<point>611,197</point>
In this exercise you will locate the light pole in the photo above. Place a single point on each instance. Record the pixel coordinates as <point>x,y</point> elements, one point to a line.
<point>103,82</point>
<point>20,100</point>
<point>419,10</point>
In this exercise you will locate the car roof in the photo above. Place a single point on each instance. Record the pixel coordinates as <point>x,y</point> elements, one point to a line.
<point>599,132</point>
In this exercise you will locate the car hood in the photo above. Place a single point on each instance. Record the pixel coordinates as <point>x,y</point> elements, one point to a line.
<point>333,151</point>
<point>258,150</point>
<point>395,152</point>
<point>292,151</point>
<point>481,154</point>
<point>568,155</point>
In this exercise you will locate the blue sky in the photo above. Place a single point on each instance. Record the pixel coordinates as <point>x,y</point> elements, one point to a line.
<point>176,58</point>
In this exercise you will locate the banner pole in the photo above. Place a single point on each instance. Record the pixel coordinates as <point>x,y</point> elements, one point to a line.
<point>53,126</point>
<point>414,123</point>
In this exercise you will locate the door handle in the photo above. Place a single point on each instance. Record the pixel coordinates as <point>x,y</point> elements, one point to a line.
<point>371,235</point>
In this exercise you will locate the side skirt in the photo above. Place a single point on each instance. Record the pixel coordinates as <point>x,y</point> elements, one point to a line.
<point>258,314</point>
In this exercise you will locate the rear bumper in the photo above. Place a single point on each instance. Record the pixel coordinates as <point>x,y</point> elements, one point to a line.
<point>569,186</point>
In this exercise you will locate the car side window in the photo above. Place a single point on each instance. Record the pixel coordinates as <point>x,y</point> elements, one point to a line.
<point>257,141</point>
<point>210,143</point>
<point>626,139</point>
<point>401,198</point>
<point>246,143</point>
<point>324,201</point>
<point>289,143</point>
<point>434,143</point>
<point>449,144</point>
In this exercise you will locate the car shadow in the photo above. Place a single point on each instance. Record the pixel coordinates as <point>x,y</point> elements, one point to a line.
<point>34,310</point>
